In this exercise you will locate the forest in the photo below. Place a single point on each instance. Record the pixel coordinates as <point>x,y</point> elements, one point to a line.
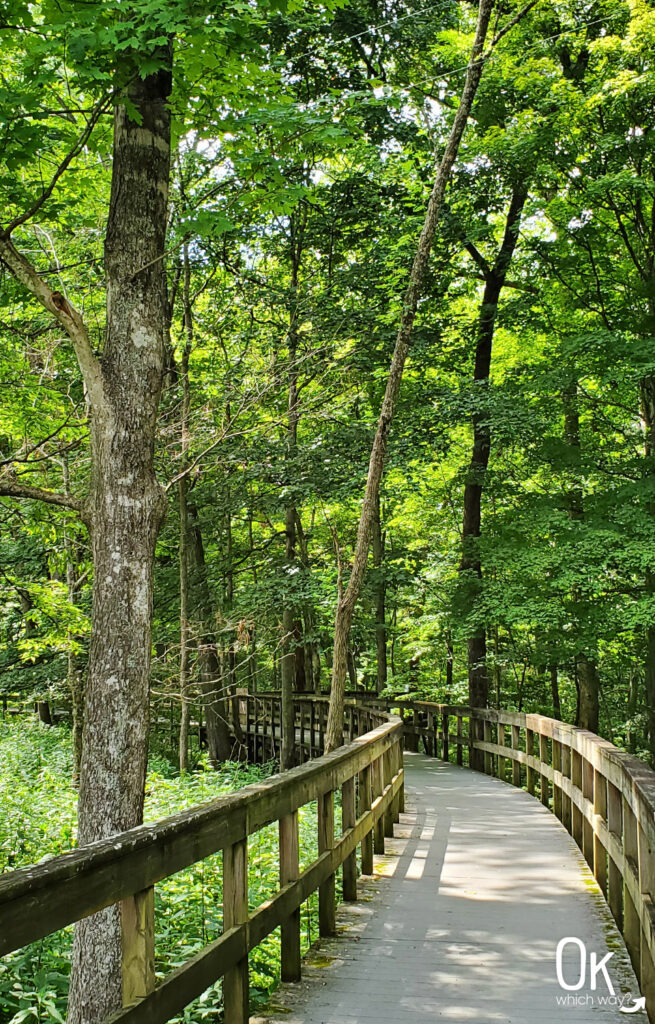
<point>327,364</point>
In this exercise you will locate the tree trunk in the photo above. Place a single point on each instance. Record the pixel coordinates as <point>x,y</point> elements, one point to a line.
<point>292,659</point>
<point>377,545</point>
<point>586,674</point>
<point>470,567</point>
<point>554,691</point>
<point>588,689</point>
<point>182,489</point>
<point>347,600</point>
<point>212,684</point>
<point>647,389</point>
<point>125,512</point>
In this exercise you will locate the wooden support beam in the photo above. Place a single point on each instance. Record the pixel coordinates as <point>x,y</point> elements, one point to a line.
<point>289,871</point>
<point>138,935</point>
<point>235,912</point>
<point>326,892</point>
<point>348,818</point>
<point>365,801</point>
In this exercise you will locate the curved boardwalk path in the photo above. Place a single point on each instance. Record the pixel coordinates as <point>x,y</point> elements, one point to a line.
<point>462,919</point>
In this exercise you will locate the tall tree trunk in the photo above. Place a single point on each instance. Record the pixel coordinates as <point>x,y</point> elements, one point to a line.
<point>212,684</point>
<point>125,512</point>
<point>290,665</point>
<point>554,692</point>
<point>647,390</point>
<point>347,600</point>
<point>586,674</point>
<point>377,545</point>
<point>182,489</point>
<point>470,565</point>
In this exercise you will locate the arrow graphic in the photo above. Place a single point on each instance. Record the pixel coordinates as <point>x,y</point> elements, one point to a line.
<point>639,1004</point>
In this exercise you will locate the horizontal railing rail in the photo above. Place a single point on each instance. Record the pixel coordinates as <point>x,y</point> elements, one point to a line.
<point>39,900</point>
<point>604,797</point>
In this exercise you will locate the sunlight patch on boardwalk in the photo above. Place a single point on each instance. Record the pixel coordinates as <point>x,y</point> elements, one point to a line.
<point>462,919</point>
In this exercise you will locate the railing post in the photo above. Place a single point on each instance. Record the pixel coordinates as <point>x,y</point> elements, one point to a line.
<point>365,800</point>
<point>289,871</point>
<point>444,737</point>
<point>529,750</point>
<point>600,809</point>
<point>387,768</point>
<point>235,912</point>
<point>566,799</point>
<point>326,891</point>
<point>348,818</point>
<point>576,813</point>
<point>301,734</point>
<point>516,765</point>
<point>378,786</point>
<point>557,789</point>
<point>631,923</point>
<point>647,888</point>
<point>138,939</point>
<point>312,728</point>
<point>488,757</point>
<point>502,762</point>
<point>615,825</point>
<point>459,754</point>
<point>587,828</point>
<point>543,757</point>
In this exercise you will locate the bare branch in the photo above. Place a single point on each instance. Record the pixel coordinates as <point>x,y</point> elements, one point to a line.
<point>69,318</point>
<point>22,218</point>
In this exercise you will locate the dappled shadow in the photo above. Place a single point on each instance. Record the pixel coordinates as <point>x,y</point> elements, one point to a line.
<point>476,890</point>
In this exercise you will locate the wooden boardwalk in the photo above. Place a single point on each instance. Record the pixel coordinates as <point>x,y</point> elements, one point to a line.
<point>462,919</point>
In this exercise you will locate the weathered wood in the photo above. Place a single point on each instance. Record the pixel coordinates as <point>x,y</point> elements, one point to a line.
<point>615,825</point>
<point>348,818</point>
<point>600,813</point>
<point>543,757</point>
<point>138,935</point>
<point>529,749</point>
<point>502,761</point>
<point>387,775</point>
<point>459,753</point>
<point>378,788</point>
<point>516,765</point>
<point>235,912</point>
<point>326,892</point>
<point>289,871</point>
<point>365,801</point>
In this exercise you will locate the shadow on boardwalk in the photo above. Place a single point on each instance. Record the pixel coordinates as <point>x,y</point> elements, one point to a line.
<point>462,918</point>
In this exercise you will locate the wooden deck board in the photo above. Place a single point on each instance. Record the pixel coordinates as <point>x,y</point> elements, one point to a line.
<point>462,919</point>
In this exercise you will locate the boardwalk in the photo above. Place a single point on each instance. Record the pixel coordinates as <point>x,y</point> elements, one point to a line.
<point>462,922</point>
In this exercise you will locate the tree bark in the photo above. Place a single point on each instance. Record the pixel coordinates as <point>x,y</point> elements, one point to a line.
<point>554,691</point>
<point>347,600</point>
<point>377,544</point>
<point>212,684</point>
<point>470,567</point>
<point>182,490</point>
<point>587,675</point>
<point>292,663</point>
<point>125,512</point>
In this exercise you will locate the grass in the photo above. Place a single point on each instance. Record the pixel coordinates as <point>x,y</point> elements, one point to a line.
<point>40,822</point>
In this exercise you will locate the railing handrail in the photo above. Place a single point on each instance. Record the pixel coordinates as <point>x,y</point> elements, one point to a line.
<point>40,899</point>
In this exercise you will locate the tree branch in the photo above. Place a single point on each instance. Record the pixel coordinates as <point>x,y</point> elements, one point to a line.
<point>12,488</point>
<point>477,256</point>
<point>22,218</point>
<point>69,318</point>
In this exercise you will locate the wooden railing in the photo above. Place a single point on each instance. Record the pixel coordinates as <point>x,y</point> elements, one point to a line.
<point>604,797</point>
<point>368,770</point>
